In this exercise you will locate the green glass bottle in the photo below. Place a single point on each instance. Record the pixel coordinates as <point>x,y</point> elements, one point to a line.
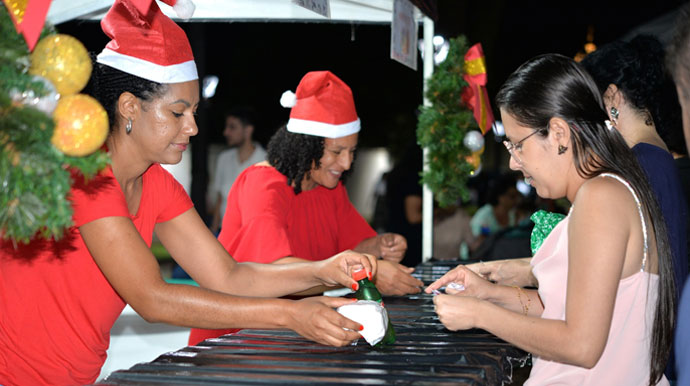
<point>368,291</point>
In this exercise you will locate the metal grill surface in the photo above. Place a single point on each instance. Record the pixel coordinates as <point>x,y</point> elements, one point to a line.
<point>425,353</point>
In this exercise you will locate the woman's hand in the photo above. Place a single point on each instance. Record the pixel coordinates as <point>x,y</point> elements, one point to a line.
<point>456,312</point>
<point>315,319</point>
<point>507,272</point>
<point>391,246</point>
<point>475,285</point>
<point>396,279</point>
<point>338,269</point>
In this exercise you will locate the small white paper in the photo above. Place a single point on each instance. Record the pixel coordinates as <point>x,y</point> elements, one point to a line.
<point>456,286</point>
<point>322,7</point>
<point>404,34</point>
<point>369,314</point>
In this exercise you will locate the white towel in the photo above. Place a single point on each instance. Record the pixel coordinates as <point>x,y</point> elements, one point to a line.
<point>369,314</point>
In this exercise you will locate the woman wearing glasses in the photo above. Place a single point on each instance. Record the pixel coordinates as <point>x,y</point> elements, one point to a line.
<point>642,102</point>
<point>603,313</point>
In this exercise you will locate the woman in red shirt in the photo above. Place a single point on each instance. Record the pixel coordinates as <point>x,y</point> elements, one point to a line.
<point>294,207</point>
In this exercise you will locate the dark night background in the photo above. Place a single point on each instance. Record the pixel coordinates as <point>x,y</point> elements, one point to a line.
<point>257,61</point>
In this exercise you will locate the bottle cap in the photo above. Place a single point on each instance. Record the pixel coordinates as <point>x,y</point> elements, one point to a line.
<point>359,275</point>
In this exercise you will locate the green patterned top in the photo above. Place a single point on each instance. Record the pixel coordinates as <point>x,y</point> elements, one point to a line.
<point>544,222</point>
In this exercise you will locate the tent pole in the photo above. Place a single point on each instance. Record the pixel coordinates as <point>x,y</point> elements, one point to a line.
<point>427,196</point>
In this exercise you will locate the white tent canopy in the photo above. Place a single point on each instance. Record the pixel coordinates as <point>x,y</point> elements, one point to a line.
<point>362,11</point>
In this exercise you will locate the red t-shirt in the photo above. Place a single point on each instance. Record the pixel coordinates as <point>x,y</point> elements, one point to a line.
<point>56,307</point>
<point>265,220</point>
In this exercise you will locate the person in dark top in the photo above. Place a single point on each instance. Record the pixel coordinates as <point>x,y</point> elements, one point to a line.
<point>642,103</point>
<point>404,203</point>
<point>678,62</point>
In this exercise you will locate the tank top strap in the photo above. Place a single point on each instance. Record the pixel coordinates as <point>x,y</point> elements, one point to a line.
<point>639,211</point>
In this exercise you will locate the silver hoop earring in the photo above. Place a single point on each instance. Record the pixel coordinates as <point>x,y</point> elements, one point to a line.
<point>614,114</point>
<point>128,126</point>
<point>561,149</point>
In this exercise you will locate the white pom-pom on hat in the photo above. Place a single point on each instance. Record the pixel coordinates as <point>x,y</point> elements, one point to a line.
<point>288,99</point>
<point>184,8</point>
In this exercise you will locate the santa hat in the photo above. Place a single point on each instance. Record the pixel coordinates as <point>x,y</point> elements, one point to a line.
<point>322,106</point>
<point>148,44</point>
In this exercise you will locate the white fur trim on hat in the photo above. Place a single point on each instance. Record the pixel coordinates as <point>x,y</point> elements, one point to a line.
<point>176,73</point>
<point>288,99</point>
<point>321,129</point>
<point>184,8</point>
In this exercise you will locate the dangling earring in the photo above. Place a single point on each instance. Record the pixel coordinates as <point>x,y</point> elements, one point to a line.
<point>614,114</point>
<point>128,126</point>
<point>561,149</point>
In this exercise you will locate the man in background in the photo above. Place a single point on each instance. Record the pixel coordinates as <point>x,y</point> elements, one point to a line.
<point>240,122</point>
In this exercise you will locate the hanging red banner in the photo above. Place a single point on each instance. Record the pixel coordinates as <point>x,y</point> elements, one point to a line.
<point>28,16</point>
<point>475,95</point>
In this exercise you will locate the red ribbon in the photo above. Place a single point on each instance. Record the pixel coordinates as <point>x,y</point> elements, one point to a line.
<point>475,95</point>
<point>32,23</point>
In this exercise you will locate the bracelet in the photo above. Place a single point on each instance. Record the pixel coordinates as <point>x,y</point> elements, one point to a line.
<point>525,307</point>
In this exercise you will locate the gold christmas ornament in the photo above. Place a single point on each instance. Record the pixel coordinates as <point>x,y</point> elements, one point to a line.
<point>81,125</point>
<point>17,9</point>
<point>475,159</point>
<point>64,61</point>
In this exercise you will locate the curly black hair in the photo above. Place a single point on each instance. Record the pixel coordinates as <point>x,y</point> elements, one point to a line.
<point>637,68</point>
<point>293,155</point>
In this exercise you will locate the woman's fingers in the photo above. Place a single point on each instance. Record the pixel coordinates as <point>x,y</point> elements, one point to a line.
<point>324,325</point>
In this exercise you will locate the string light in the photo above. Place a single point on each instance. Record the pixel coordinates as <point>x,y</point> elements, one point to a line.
<point>589,46</point>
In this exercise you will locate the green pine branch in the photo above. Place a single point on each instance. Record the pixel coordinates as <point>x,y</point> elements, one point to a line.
<point>442,127</point>
<point>34,176</point>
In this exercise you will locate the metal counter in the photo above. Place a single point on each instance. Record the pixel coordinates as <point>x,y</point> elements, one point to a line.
<point>425,353</point>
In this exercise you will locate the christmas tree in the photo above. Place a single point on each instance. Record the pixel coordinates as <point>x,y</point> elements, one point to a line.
<point>448,128</point>
<point>35,175</point>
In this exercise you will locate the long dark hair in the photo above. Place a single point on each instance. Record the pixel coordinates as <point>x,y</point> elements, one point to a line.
<point>637,68</point>
<point>556,86</point>
<point>107,84</point>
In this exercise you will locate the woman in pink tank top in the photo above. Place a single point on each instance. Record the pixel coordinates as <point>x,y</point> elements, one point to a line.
<point>604,310</point>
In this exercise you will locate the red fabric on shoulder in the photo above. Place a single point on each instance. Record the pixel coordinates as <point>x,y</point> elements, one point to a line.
<point>96,198</point>
<point>256,219</point>
<point>352,227</point>
<point>56,306</point>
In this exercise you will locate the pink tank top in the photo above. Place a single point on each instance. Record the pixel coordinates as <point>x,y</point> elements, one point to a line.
<point>626,357</point>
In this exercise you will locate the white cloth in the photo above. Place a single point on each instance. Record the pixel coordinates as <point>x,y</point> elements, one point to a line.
<point>228,167</point>
<point>369,314</point>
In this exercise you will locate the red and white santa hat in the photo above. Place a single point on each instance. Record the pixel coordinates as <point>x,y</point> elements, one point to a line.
<point>322,106</point>
<point>147,43</point>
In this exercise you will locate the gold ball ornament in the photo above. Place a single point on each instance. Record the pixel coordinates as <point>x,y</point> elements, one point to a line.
<point>81,125</point>
<point>17,9</point>
<point>475,159</point>
<point>64,61</point>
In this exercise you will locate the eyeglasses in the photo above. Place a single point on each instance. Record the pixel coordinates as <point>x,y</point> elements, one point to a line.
<point>516,148</point>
